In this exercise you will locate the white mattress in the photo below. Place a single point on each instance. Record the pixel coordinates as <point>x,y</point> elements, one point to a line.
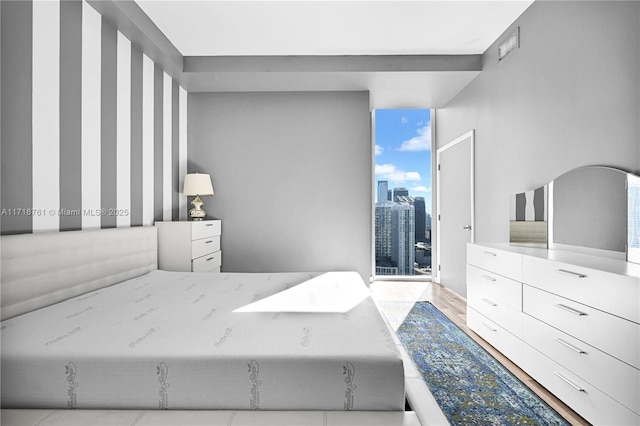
<point>170,340</point>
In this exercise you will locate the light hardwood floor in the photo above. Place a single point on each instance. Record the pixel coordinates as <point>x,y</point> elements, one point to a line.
<point>455,308</point>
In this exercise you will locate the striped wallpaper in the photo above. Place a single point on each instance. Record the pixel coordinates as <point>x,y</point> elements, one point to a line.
<point>93,131</point>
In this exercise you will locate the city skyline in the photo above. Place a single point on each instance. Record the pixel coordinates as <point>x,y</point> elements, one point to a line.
<point>403,151</point>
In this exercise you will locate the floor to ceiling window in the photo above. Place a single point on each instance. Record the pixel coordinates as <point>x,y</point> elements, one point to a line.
<point>402,192</point>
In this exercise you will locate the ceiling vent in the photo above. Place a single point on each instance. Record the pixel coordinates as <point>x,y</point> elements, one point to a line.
<point>511,44</point>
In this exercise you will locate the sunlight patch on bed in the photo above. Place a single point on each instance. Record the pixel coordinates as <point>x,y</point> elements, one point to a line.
<point>330,292</point>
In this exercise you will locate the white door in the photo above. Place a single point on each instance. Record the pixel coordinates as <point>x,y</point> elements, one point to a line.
<point>455,211</point>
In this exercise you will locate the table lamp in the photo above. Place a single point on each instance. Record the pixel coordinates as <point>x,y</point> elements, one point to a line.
<point>197,184</point>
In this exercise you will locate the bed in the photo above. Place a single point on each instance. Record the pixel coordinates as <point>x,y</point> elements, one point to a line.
<point>89,322</point>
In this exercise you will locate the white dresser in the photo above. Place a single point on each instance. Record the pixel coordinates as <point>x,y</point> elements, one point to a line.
<point>190,245</point>
<point>571,321</point>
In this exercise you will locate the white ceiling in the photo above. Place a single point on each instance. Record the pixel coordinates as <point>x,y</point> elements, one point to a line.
<point>331,27</point>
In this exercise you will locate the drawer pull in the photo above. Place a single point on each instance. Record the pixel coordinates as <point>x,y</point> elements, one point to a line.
<point>489,302</point>
<point>569,382</point>
<point>208,224</point>
<point>487,277</point>
<point>571,310</point>
<point>211,258</point>
<point>208,242</point>
<point>573,274</point>
<point>490,253</point>
<point>570,346</point>
<point>489,327</point>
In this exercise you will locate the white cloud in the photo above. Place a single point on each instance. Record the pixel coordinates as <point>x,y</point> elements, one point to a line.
<point>379,150</point>
<point>422,142</point>
<point>421,189</point>
<point>404,120</point>
<point>383,169</point>
<point>412,176</point>
<point>390,173</point>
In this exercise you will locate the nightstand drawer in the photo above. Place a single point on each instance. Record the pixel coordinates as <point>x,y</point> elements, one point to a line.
<point>205,246</point>
<point>205,228</point>
<point>208,263</point>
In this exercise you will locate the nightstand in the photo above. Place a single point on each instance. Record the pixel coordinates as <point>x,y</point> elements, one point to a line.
<point>190,245</point>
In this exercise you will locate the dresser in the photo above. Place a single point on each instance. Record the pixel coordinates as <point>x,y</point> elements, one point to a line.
<point>571,321</point>
<point>190,245</point>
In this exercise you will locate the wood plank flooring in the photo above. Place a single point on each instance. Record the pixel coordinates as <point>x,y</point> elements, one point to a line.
<point>455,307</point>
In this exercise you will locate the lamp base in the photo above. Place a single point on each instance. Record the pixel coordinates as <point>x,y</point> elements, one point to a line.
<point>197,212</point>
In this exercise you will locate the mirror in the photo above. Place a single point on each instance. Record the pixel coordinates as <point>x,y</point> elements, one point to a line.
<point>590,209</point>
<point>593,209</point>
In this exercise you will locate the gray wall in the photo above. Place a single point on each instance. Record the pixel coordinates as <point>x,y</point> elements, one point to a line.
<point>569,97</point>
<point>292,178</point>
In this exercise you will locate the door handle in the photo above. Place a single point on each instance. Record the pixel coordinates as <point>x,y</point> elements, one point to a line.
<point>466,227</point>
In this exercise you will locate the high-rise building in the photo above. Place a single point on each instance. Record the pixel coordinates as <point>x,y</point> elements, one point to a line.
<point>404,199</point>
<point>383,190</point>
<point>403,237</point>
<point>399,192</point>
<point>421,219</point>
<point>383,231</point>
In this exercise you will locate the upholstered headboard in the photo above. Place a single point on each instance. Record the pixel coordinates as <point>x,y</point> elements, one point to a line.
<point>41,269</point>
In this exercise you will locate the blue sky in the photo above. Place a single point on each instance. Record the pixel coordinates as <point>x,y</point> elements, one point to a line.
<point>403,150</point>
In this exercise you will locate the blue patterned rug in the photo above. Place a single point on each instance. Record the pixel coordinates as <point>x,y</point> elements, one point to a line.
<point>470,386</point>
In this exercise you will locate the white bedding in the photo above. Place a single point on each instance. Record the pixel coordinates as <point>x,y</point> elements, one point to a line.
<point>170,340</point>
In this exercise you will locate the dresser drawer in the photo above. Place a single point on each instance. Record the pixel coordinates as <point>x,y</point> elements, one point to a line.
<point>500,262</point>
<point>508,344</point>
<point>582,397</point>
<point>208,263</point>
<point>606,291</point>
<point>489,304</point>
<point>494,286</point>
<point>612,376</point>
<point>205,246</point>
<point>205,228</point>
<point>503,315</point>
<point>611,334</point>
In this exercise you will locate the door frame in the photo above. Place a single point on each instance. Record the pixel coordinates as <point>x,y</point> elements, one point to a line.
<point>470,136</point>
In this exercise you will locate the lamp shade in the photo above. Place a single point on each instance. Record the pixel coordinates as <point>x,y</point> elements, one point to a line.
<point>197,184</point>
